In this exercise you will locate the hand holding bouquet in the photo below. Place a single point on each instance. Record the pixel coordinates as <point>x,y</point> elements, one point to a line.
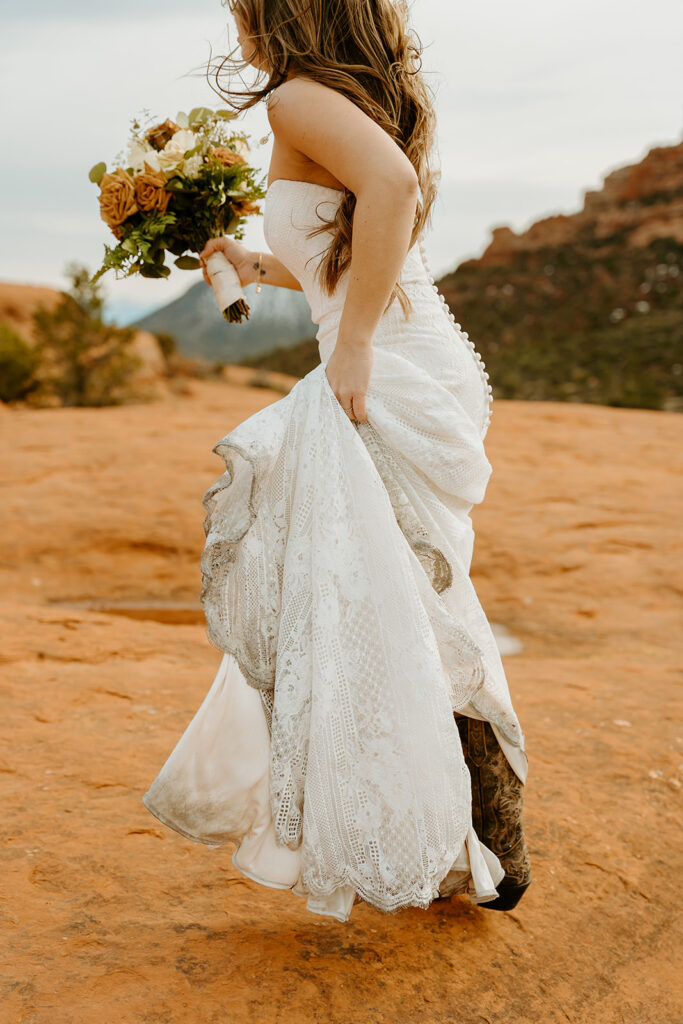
<point>185,181</point>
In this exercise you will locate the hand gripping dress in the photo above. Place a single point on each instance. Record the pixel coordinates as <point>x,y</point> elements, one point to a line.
<point>335,580</point>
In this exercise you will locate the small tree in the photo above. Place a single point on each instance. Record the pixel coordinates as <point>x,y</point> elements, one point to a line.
<point>18,365</point>
<point>84,360</point>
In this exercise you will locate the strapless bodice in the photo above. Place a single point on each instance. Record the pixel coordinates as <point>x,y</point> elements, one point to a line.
<point>291,211</point>
<point>429,337</point>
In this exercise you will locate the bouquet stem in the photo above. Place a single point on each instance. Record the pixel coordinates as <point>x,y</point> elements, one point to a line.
<point>227,288</point>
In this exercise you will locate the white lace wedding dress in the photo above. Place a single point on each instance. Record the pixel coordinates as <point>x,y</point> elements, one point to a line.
<point>336,582</point>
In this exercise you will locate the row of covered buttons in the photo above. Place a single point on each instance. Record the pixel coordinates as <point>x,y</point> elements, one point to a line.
<point>465,335</point>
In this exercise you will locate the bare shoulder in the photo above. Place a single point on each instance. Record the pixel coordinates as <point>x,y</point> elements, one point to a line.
<point>303,97</point>
<point>324,126</point>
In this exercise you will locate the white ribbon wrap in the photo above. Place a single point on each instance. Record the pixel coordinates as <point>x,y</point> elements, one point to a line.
<point>224,280</point>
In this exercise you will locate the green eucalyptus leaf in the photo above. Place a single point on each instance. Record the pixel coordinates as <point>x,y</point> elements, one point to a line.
<point>97,172</point>
<point>187,263</point>
<point>227,115</point>
<point>198,115</point>
<point>149,270</point>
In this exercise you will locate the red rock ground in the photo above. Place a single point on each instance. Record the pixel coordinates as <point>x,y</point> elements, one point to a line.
<point>108,916</point>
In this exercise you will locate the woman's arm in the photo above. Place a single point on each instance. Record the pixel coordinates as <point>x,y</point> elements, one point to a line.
<point>333,132</point>
<point>245,263</point>
<point>275,273</point>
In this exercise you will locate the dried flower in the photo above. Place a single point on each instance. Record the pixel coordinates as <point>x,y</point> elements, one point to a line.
<point>150,191</point>
<point>117,198</point>
<point>226,156</point>
<point>162,133</point>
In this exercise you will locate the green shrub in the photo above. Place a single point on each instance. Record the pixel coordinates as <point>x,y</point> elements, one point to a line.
<point>86,362</point>
<point>578,323</point>
<point>18,365</point>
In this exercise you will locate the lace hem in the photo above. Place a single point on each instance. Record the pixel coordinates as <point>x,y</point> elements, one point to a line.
<point>475,873</point>
<point>472,874</point>
<point>219,555</point>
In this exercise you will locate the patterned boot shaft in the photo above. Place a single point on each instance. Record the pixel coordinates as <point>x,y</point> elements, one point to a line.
<point>497,799</point>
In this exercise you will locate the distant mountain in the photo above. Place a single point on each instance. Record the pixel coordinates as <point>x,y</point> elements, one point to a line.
<point>294,360</point>
<point>588,306</point>
<point>278,317</point>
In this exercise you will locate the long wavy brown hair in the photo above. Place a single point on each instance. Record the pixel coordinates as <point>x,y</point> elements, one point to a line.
<point>365,50</point>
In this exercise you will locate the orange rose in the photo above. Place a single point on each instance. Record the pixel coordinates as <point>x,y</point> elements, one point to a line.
<point>226,156</point>
<point>117,198</point>
<point>159,136</point>
<point>150,191</point>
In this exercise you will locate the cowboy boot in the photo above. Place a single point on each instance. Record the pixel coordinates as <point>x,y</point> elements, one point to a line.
<point>497,798</point>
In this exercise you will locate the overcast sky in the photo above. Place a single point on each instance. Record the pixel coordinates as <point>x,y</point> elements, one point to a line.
<point>536,102</point>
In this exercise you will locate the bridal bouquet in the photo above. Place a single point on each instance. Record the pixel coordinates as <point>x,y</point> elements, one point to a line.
<point>180,183</point>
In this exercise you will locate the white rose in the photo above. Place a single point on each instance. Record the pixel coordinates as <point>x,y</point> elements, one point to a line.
<point>242,148</point>
<point>172,153</point>
<point>192,166</point>
<point>139,152</point>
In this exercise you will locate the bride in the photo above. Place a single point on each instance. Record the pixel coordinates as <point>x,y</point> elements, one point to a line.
<point>358,741</point>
